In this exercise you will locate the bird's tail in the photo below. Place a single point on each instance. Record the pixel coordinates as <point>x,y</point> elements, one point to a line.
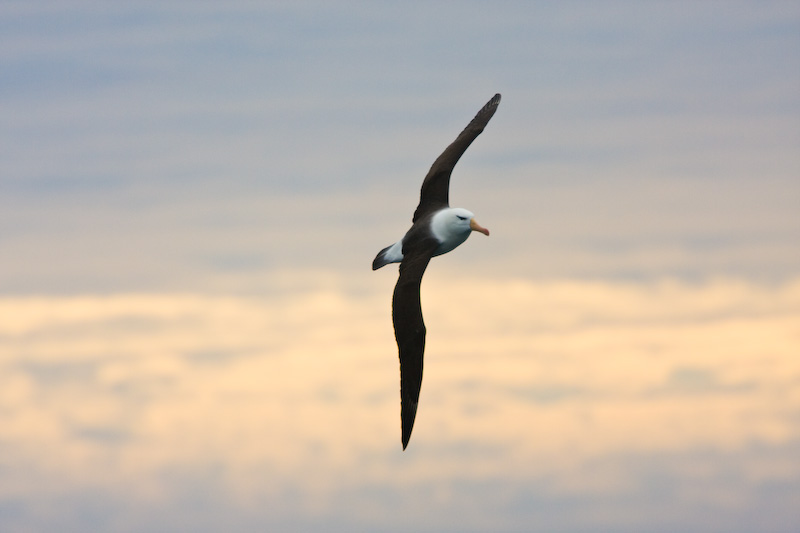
<point>391,254</point>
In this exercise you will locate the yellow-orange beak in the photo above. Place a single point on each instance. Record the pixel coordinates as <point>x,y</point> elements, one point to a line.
<point>474,226</point>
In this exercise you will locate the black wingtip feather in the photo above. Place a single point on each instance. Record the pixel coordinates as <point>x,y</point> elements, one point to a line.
<point>407,417</point>
<point>494,102</point>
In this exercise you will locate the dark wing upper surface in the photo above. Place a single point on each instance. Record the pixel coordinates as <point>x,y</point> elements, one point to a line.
<point>435,188</point>
<point>409,328</point>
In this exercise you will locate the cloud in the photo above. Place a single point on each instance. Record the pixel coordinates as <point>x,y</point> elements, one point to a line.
<point>551,387</point>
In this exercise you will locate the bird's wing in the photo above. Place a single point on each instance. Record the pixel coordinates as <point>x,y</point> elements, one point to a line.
<point>435,188</point>
<point>409,330</point>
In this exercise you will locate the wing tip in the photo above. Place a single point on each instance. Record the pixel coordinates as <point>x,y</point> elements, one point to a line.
<point>407,436</point>
<point>407,417</point>
<point>485,114</point>
<point>494,101</point>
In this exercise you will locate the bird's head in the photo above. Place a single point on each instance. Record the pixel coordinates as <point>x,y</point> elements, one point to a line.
<point>463,221</point>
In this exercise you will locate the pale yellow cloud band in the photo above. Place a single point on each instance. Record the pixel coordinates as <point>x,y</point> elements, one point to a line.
<point>302,385</point>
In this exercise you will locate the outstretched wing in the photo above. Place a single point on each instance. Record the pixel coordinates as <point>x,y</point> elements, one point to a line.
<point>435,188</point>
<point>409,331</point>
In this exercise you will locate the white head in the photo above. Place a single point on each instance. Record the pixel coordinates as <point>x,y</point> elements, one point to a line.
<point>453,225</point>
<point>460,220</point>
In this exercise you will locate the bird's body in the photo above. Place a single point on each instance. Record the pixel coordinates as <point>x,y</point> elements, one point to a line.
<point>449,226</point>
<point>437,229</point>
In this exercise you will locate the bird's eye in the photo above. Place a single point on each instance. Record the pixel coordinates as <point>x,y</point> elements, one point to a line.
<point>461,218</point>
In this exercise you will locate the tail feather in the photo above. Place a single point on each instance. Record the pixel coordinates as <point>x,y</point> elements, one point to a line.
<point>380,259</point>
<point>390,254</point>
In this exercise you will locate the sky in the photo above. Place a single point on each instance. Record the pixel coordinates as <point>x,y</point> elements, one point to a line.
<point>191,196</point>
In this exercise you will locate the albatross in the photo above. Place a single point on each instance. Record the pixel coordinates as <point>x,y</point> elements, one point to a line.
<point>436,229</point>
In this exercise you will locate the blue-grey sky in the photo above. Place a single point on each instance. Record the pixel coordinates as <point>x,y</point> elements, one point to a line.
<point>191,195</point>
<point>160,144</point>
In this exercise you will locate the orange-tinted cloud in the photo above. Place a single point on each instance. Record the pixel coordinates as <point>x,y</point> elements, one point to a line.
<point>537,381</point>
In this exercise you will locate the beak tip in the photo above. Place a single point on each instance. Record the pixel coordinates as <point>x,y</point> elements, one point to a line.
<point>474,226</point>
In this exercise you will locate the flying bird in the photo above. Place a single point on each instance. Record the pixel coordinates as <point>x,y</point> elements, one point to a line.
<point>436,229</point>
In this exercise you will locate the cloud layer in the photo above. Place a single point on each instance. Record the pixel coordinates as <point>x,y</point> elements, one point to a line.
<point>598,399</point>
